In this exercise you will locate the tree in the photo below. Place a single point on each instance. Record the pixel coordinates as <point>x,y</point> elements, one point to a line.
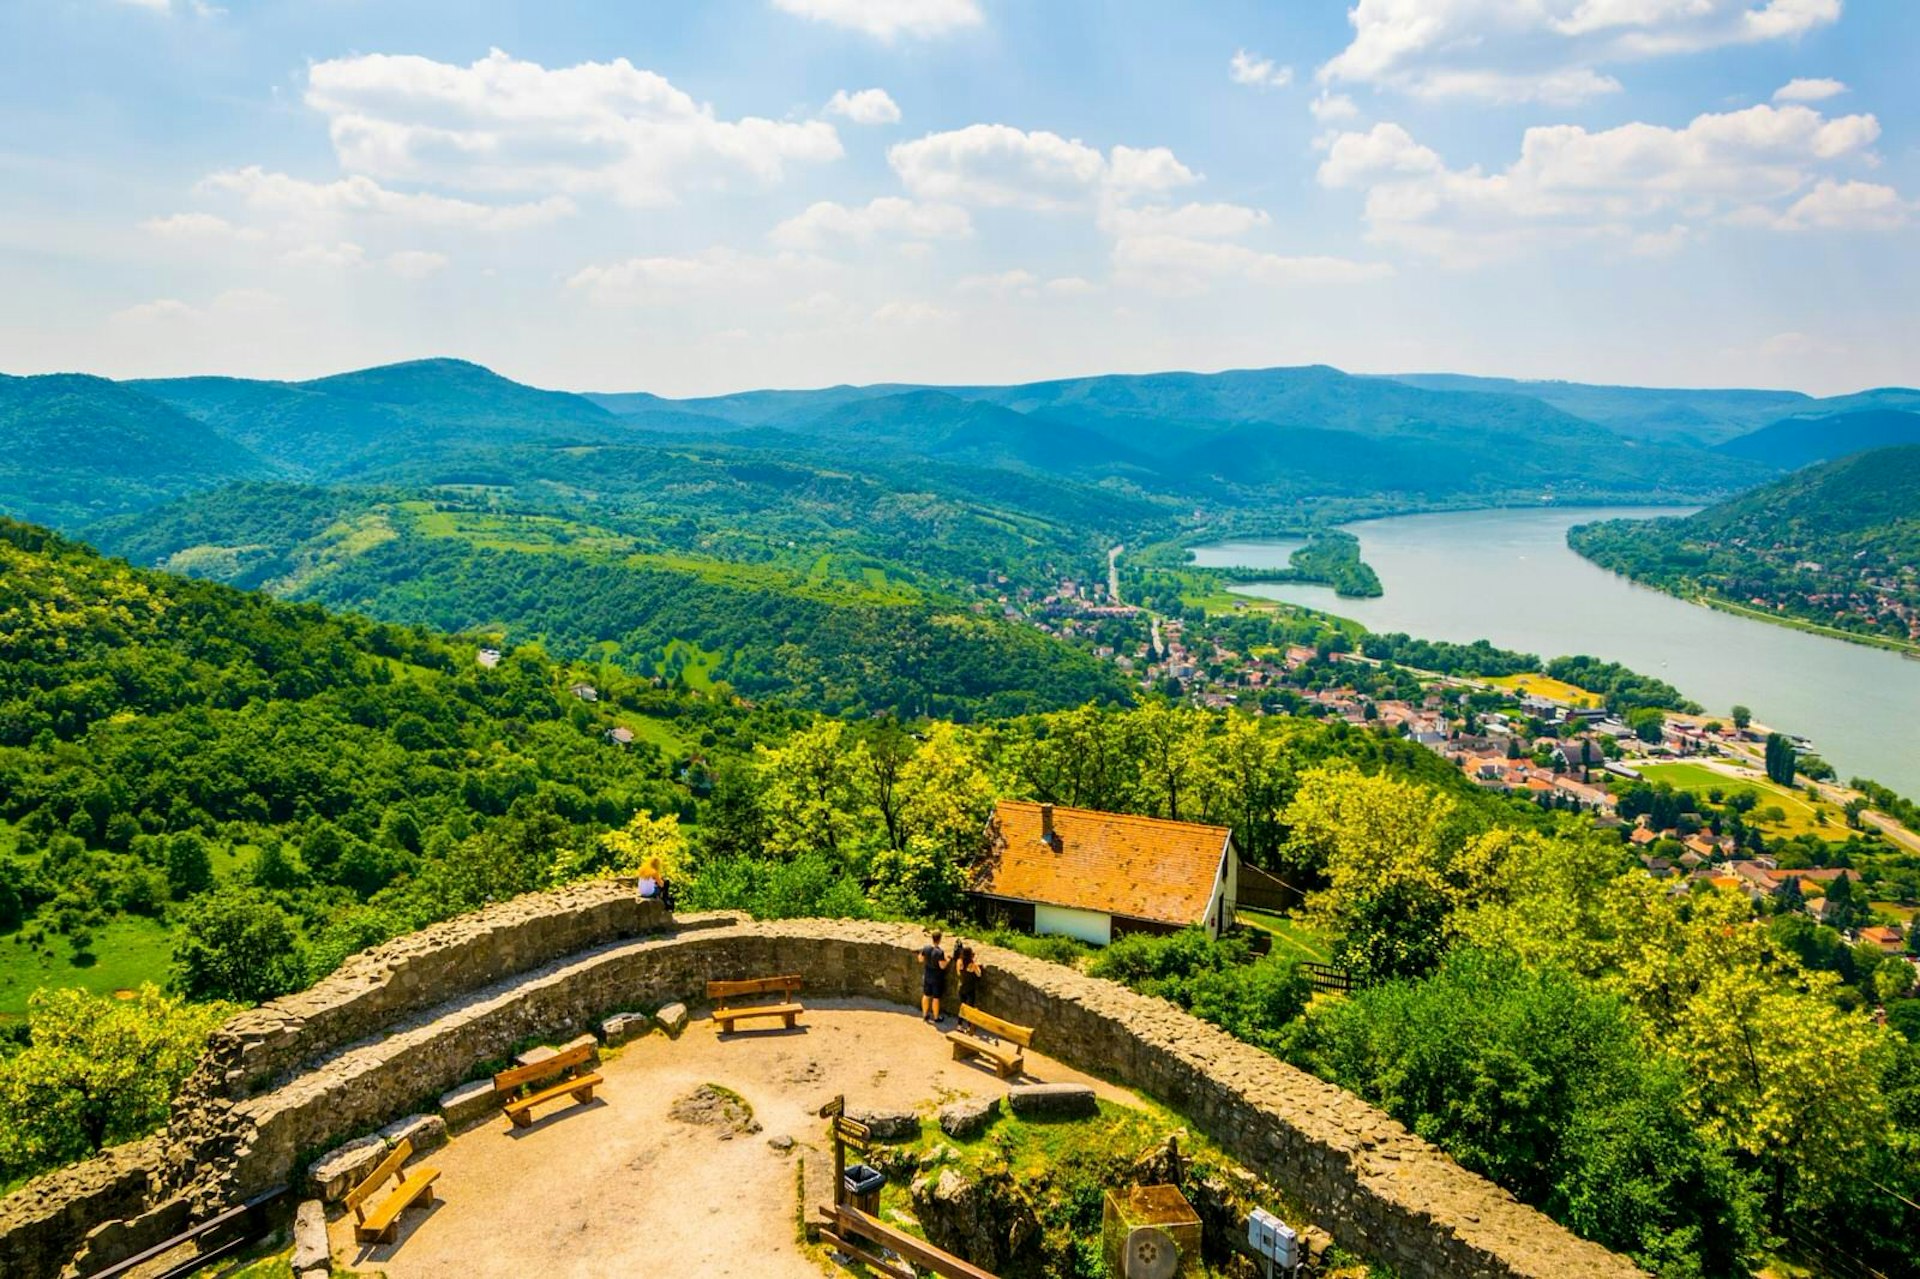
<point>644,838</point>
<point>1398,859</point>
<point>1648,724</point>
<point>237,945</point>
<point>189,865</point>
<point>1742,717</point>
<point>1781,761</point>
<point>1537,1079</point>
<point>95,1071</point>
<point>943,800</point>
<point>813,790</point>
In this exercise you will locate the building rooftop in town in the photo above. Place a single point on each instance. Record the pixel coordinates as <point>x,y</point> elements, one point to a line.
<point>1133,867</point>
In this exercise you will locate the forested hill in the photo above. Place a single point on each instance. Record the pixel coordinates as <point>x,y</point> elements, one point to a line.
<point>1835,545</point>
<point>1800,441</point>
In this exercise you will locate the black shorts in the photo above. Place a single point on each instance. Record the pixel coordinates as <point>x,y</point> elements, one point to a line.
<point>932,986</point>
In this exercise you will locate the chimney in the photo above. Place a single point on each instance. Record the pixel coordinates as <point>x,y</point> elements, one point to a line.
<point>1047,835</point>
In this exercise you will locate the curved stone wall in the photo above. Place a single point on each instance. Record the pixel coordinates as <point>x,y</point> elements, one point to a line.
<point>308,1085</point>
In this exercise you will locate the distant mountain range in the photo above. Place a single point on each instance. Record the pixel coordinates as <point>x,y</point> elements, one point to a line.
<point>1800,441</point>
<point>1835,545</point>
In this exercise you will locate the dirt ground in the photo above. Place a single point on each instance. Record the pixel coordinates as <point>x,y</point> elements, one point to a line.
<point>618,1187</point>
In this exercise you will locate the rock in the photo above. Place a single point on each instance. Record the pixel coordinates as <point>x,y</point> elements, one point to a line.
<point>937,1155</point>
<point>624,1028</point>
<point>986,1221</point>
<point>781,1143</point>
<point>889,1125</point>
<point>967,1118</point>
<point>340,1170</point>
<point>426,1132</point>
<point>713,1107</point>
<point>545,1052</point>
<point>1052,1101</point>
<point>310,1248</point>
<point>672,1019</point>
<point>469,1103</point>
<point>318,1272</point>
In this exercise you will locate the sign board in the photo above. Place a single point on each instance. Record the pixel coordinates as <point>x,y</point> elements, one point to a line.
<point>851,1131</point>
<point>834,1108</point>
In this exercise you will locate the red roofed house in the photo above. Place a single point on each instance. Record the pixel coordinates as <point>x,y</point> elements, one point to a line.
<point>1096,876</point>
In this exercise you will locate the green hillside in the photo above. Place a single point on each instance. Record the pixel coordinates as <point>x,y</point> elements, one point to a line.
<point>1794,442</point>
<point>1836,546</point>
<point>78,448</point>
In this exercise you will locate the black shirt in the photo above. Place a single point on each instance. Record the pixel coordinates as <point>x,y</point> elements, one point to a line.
<point>932,957</point>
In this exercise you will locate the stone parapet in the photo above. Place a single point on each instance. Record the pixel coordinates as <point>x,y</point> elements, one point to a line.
<point>1378,1189</point>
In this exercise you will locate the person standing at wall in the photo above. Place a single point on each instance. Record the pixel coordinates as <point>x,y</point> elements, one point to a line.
<point>933,978</point>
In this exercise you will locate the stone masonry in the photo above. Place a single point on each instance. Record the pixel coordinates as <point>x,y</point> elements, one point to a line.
<point>286,1082</point>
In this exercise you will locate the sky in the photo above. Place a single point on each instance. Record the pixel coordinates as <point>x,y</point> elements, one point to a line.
<point>700,197</point>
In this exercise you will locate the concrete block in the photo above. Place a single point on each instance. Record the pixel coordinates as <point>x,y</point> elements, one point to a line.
<point>624,1028</point>
<point>672,1019</point>
<point>469,1103</point>
<point>310,1248</point>
<point>535,1054</point>
<point>426,1132</point>
<point>1053,1101</point>
<point>341,1169</point>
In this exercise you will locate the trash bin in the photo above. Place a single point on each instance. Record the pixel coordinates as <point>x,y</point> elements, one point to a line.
<point>862,1185</point>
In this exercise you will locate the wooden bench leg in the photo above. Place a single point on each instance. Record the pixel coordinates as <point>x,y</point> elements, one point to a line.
<point>790,1020</point>
<point>583,1095</point>
<point>520,1118</point>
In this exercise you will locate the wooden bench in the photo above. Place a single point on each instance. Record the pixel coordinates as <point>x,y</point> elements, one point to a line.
<point>726,1012</point>
<point>383,1222</point>
<point>851,1230</point>
<point>577,1080</point>
<point>1006,1056</point>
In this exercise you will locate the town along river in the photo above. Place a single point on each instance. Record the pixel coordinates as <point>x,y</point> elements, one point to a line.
<point>1507,576</point>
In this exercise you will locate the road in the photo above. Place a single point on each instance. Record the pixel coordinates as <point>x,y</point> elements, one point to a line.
<point>1113,574</point>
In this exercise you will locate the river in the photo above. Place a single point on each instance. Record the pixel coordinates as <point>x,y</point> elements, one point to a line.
<point>1507,576</point>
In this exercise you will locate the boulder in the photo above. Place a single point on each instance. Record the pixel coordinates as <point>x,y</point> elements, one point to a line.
<point>1052,1101</point>
<point>967,1118</point>
<point>672,1019</point>
<point>889,1125</point>
<point>985,1221</point>
<point>341,1169</point>
<point>469,1103</point>
<point>623,1028</point>
<point>544,1052</point>
<point>426,1132</point>
<point>310,1248</point>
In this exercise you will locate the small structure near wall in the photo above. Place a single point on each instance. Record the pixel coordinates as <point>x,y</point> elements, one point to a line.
<point>1134,1224</point>
<point>1094,876</point>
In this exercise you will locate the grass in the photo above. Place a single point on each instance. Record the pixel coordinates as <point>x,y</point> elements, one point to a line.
<point>1803,815</point>
<point>1291,939</point>
<point>658,732</point>
<point>1902,913</point>
<point>696,664</point>
<point>129,951</point>
<point>1554,690</point>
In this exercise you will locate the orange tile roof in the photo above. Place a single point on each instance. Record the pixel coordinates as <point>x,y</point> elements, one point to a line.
<point>1137,867</point>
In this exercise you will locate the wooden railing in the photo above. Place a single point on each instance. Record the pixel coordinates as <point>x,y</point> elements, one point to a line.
<point>246,1222</point>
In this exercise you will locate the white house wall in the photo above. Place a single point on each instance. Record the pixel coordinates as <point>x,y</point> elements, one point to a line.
<point>1091,926</point>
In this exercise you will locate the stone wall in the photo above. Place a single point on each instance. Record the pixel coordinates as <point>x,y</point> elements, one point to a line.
<point>1378,1189</point>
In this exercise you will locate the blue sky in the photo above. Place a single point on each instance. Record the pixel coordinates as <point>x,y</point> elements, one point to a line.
<point>699,197</point>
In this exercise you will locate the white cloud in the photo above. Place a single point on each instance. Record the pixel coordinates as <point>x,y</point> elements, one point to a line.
<point>906,314</point>
<point>1570,183</point>
<point>715,270</point>
<point>416,264</point>
<point>1258,72</point>
<point>203,227</point>
<point>886,19</point>
<point>1180,264</point>
<point>865,106</point>
<point>1069,286</point>
<point>169,314</point>
<point>329,256</point>
<point>503,124</point>
<point>1806,90</point>
<point>1000,166</point>
<point>1545,50</point>
<point>889,216</point>
<point>1191,221</point>
<point>1017,282</point>
<point>297,199</point>
<point>1846,206</point>
<point>1333,108</point>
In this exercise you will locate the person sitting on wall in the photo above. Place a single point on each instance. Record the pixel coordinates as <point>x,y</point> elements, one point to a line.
<point>933,978</point>
<point>653,883</point>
